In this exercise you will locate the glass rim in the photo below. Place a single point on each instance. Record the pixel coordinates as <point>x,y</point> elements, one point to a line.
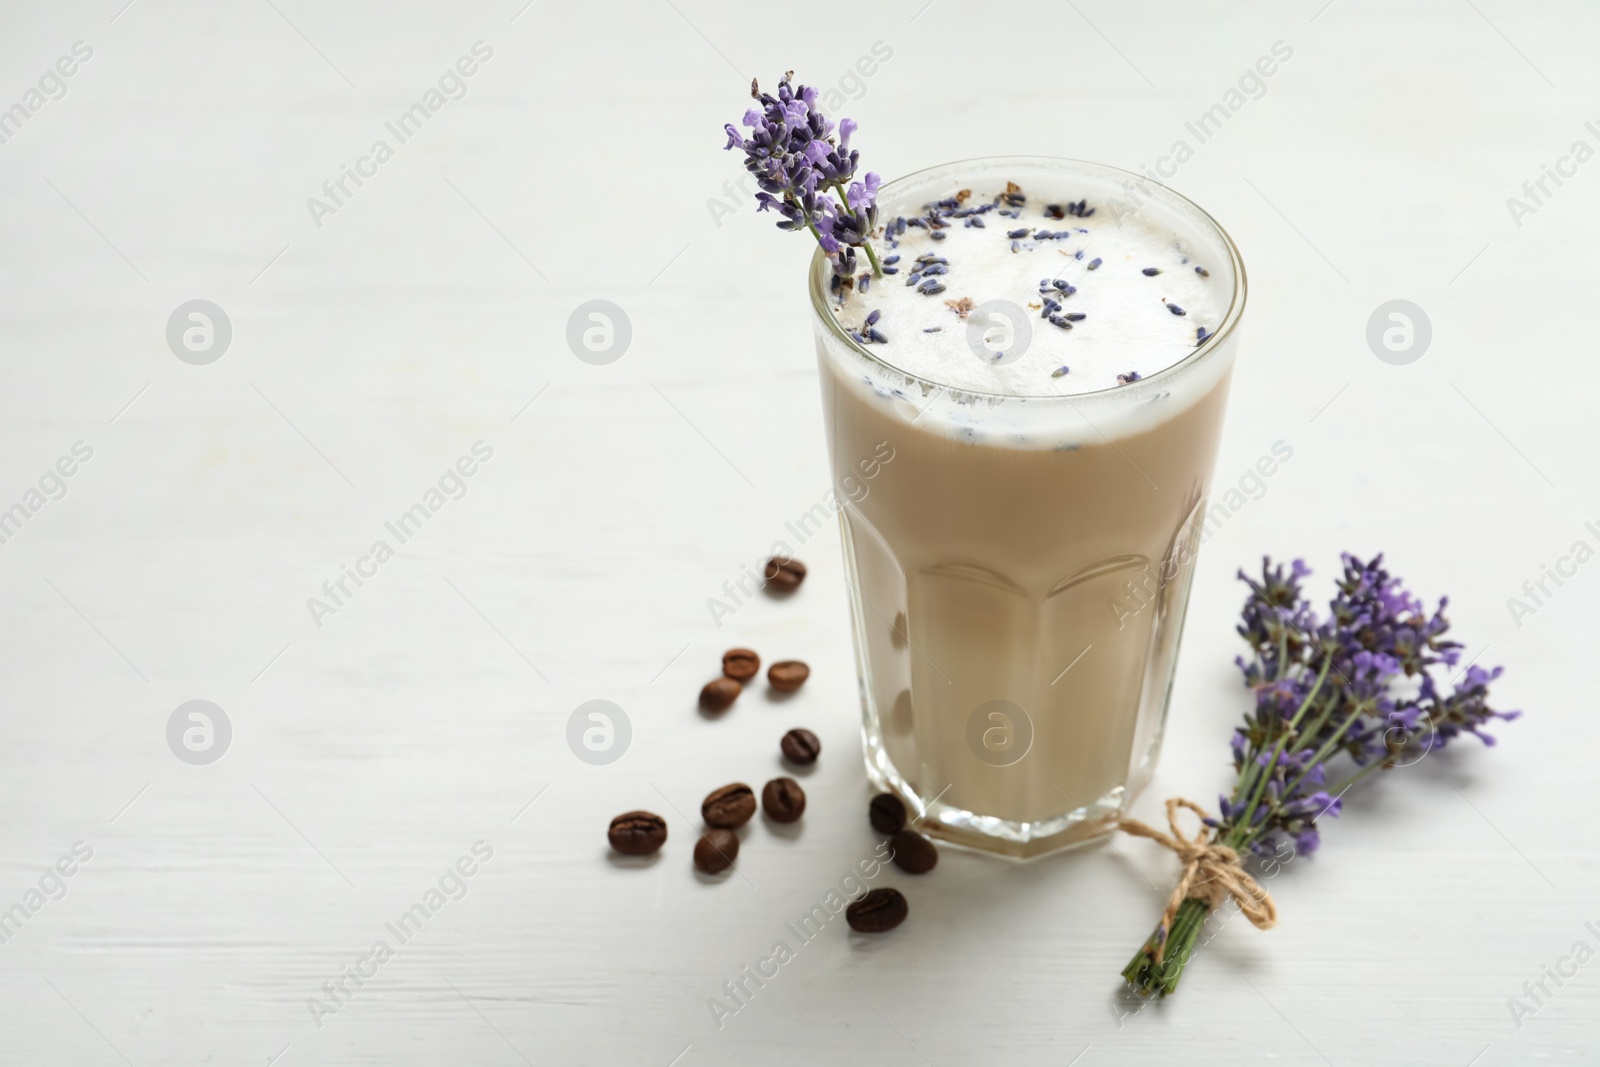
<point>1133,390</point>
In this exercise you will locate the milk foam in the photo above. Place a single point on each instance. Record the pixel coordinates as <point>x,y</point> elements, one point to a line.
<point>1128,325</point>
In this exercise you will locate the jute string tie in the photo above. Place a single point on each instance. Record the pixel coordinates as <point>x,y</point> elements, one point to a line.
<point>1212,872</point>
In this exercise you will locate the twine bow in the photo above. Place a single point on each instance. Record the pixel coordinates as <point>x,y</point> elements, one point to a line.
<point>1211,872</point>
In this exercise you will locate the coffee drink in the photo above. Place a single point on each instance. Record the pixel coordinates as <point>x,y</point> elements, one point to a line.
<point>1050,373</point>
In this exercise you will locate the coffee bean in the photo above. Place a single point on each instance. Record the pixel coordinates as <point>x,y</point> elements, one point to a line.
<point>784,575</point>
<point>788,675</point>
<point>729,807</point>
<point>783,800</point>
<point>637,833</point>
<point>740,664</point>
<point>887,813</point>
<point>800,746</point>
<point>720,693</point>
<point>880,910</point>
<point>716,850</point>
<point>913,853</point>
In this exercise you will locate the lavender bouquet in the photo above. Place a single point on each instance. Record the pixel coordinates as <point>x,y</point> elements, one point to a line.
<point>797,161</point>
<point>1336,698</point>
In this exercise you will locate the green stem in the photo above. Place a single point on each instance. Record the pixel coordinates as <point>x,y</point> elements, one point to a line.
<point>872,257</point>
<point>1264,774</point>
<point>1376,765</point>
<point>1150,978</point>
<point>866,240</point>
<point>1328,746</point>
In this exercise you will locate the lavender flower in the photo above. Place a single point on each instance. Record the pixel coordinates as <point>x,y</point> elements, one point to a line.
<point>796,160</point>
<point>1338,696</point>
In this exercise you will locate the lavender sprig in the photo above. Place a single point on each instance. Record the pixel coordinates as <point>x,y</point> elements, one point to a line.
<point>1336,697</point>
<point>794,157</point>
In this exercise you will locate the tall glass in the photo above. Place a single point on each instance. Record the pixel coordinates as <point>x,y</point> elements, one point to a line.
<point>1019,566</point>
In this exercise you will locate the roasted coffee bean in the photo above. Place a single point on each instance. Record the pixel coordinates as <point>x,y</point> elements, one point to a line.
<point>740,664</point>
<point>784,575</point>
<point>637,833</point>
<point>800,746</point>
<point>783,800</point>
<point>716,850</point>
<point>887,813</point>
<point>788,675</point>
<point>913,853</point>
<point>729,807</point>
<point>720,693</point>
<point>880,910</point>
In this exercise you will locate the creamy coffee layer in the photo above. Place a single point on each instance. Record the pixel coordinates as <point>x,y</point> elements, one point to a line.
<point>1028,292</point>
<point>1045,586</point>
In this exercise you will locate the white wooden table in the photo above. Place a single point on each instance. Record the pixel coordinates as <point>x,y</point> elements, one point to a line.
<point>375,340</point>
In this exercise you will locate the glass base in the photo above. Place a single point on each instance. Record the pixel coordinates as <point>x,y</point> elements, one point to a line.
<point>1020,841</point>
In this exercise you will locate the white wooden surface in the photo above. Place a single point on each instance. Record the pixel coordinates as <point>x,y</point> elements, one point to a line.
<point>368,354</point>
